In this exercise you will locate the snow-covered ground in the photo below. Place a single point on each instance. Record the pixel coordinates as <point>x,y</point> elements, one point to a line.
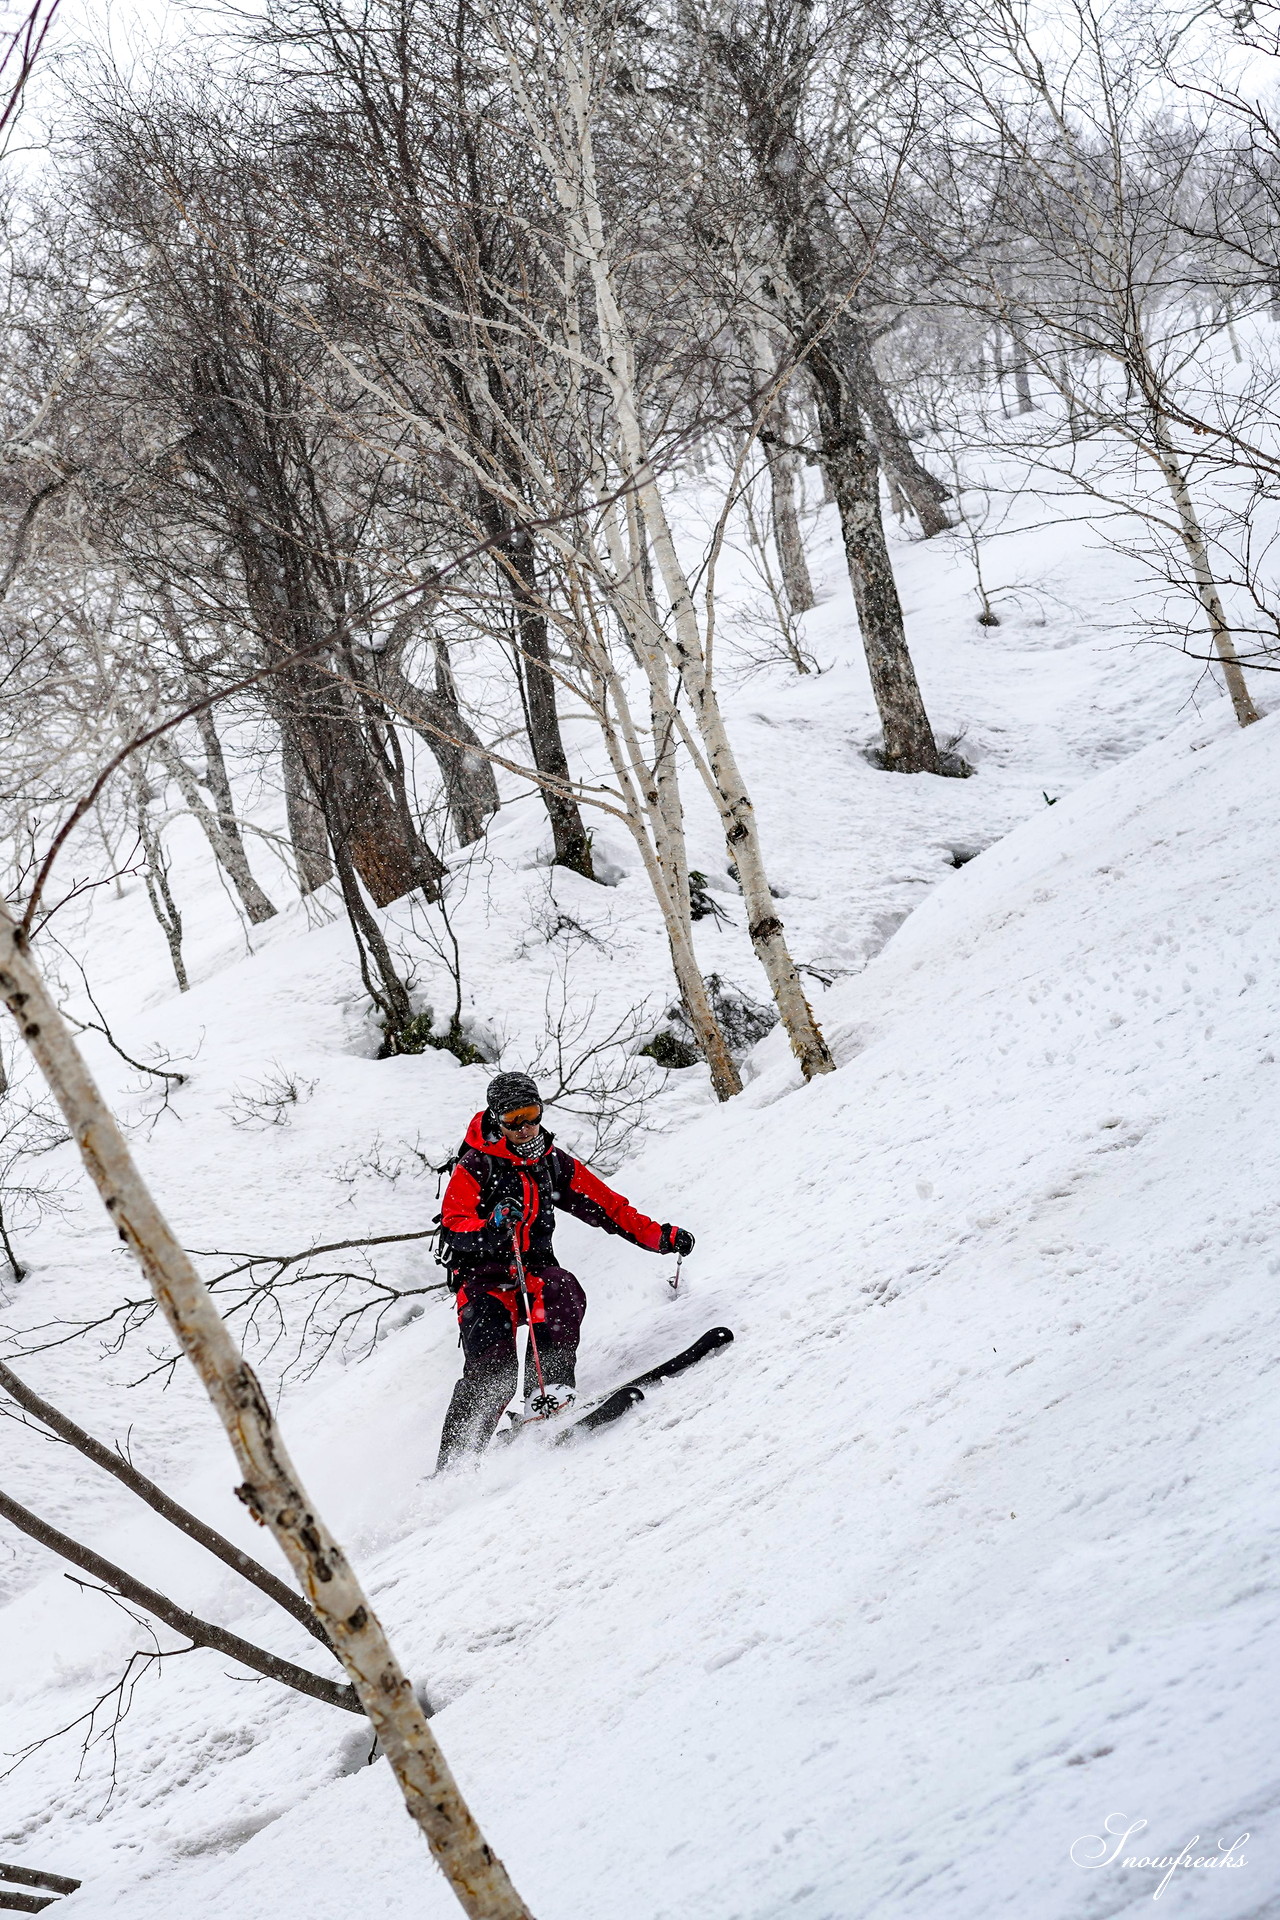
<point>962,1550</point>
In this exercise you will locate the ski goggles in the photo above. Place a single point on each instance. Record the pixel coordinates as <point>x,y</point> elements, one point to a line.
<point>522,1117</point>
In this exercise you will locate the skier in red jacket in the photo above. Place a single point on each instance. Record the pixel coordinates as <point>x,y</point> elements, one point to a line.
<point>508,1181</point>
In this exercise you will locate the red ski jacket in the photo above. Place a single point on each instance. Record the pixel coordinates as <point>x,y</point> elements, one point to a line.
<point>488,1171</point>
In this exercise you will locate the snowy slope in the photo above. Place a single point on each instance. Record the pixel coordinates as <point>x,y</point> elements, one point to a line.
<point>962,1548</point>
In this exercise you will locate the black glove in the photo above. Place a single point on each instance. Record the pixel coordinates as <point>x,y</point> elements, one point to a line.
<point>676,1240</point>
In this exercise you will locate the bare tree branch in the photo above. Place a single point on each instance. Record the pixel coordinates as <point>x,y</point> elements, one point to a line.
<point>201,1633</point>
<point>155,1497</point>
<point>28,1877</point>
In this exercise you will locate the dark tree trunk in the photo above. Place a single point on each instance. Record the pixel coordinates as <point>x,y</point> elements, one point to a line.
<point>998,367</point>
<point>1021,378</point>
<point>1017,359</point>
<point>471,792</point>
<point>342,761</point>
<point>387,990</point>
<point>305,815</point>
<point>297,583</point>
<point>909,745</point>
<point>368,828</point>
<point>769,71</point>
<point>572,847</point>
<point>471,783</point>
<point>776,439</point>
<point>365,804</point>
<point>924,491</point>
<point>850,460</point>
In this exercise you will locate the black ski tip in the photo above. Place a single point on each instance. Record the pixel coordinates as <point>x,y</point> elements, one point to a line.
<point>632,1393</point>
<point>609,1410</point>
<point>618,1403</point>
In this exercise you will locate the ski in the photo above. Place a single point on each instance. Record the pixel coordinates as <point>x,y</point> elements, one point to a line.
<point>615,1404</point>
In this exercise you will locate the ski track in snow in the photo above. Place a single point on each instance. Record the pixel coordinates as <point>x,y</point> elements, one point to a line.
<point>965,1545</point>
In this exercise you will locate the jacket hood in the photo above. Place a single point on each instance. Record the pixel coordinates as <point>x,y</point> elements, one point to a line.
<point>479,1135</point>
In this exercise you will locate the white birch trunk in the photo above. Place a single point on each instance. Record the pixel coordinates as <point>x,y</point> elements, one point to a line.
<point>796,581</point>
<point>228,849</point>
<point>736,810</point>
<point>1193,540</point>
<point>659,836</point>
<point>725,1079</point>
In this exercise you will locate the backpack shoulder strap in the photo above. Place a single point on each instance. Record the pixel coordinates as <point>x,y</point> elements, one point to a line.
<point>440,1243</point>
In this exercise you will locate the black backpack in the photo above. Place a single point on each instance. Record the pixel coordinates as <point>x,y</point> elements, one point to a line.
<point>440,1242</point>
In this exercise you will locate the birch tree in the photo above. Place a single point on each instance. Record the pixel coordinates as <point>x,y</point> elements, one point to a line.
<point>555,68</point>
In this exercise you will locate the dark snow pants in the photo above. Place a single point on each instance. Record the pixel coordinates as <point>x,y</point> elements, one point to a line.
<point>489,1377</point>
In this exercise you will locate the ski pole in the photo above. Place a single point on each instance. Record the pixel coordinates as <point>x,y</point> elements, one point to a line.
<point>675,1284</point>
<point>528,1309</point>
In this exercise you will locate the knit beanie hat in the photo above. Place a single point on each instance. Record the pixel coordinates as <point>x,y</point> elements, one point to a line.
<point>508,1091</point>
